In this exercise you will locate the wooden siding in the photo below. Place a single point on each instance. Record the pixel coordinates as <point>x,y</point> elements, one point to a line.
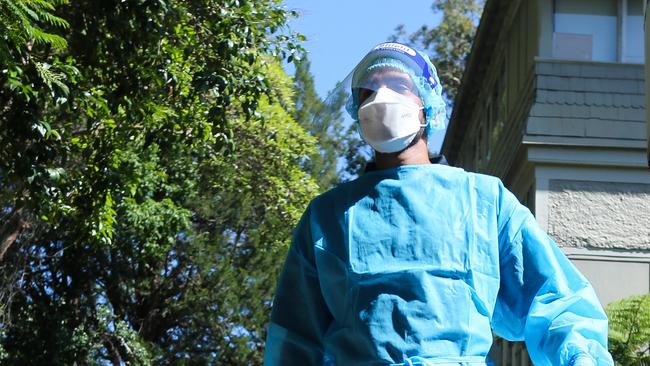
<point>588,100</point>
<point>496,120</point>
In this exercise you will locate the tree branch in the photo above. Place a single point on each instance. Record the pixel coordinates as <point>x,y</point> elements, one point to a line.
<point>10,231</point>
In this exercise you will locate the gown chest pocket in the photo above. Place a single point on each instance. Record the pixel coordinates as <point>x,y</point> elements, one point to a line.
<point>388,243</point>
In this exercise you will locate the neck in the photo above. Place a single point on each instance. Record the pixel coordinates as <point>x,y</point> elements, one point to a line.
<point>412,155</point>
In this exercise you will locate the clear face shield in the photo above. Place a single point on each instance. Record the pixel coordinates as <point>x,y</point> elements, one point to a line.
<point>394,96</point>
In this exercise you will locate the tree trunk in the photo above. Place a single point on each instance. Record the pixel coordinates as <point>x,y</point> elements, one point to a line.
<point>10,231</point>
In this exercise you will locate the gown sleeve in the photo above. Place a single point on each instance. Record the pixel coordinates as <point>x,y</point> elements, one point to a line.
<point>300,316</point>
<point>543,299</point>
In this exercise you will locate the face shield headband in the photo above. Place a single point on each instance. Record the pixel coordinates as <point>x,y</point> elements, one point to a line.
<point>410,54</point>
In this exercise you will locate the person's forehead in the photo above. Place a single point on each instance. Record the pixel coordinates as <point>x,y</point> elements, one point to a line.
<point>385,74</point>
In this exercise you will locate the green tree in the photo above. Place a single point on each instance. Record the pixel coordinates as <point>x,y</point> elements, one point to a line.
<point>325,128</point>
<point>341,154</point>
<point>629,330</point>
<point>449,42</point>
<point>21,24</point>
<point>323,120</point>
<point>27,74</point>
<point>155,190</point>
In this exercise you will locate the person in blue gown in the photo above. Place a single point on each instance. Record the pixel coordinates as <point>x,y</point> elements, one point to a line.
<point>418,263</point>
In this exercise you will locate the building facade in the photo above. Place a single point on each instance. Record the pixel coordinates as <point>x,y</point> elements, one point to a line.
<point>647,69</point>
<point>553,101</point>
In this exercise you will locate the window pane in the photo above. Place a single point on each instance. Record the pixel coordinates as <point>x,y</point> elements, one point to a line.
<point>633,49</point>
<point>585,29</point>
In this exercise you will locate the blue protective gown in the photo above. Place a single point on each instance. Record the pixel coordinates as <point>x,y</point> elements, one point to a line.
<point>418,265</point>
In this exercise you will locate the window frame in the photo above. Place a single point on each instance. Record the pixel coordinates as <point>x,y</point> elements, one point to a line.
<point>621,27</point>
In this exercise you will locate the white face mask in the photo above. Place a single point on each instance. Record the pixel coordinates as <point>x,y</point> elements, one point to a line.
<point>389,121</point>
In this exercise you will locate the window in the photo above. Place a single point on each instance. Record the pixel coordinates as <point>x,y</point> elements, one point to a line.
<point>598,30</point>
<point>633,31</point>
<point>585,29</point>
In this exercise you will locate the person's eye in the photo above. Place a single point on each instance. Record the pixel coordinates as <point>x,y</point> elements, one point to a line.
<point>404,88</point>
<point>364,93</point>
<point>396,87</point>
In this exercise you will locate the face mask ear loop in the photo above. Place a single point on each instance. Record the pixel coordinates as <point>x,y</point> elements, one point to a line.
<point>426,123</point>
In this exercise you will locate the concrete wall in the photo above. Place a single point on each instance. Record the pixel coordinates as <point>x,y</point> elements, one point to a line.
<point>614,278</point>
<point>597,214</point>
<point>600,217</point>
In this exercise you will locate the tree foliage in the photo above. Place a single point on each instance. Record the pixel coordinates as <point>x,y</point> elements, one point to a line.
<point>340,155</point>
<point>313,115</point>
<point>629,330</point>
<point>449,42</point>
<point>20,24</point>
<point>149,179</point>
